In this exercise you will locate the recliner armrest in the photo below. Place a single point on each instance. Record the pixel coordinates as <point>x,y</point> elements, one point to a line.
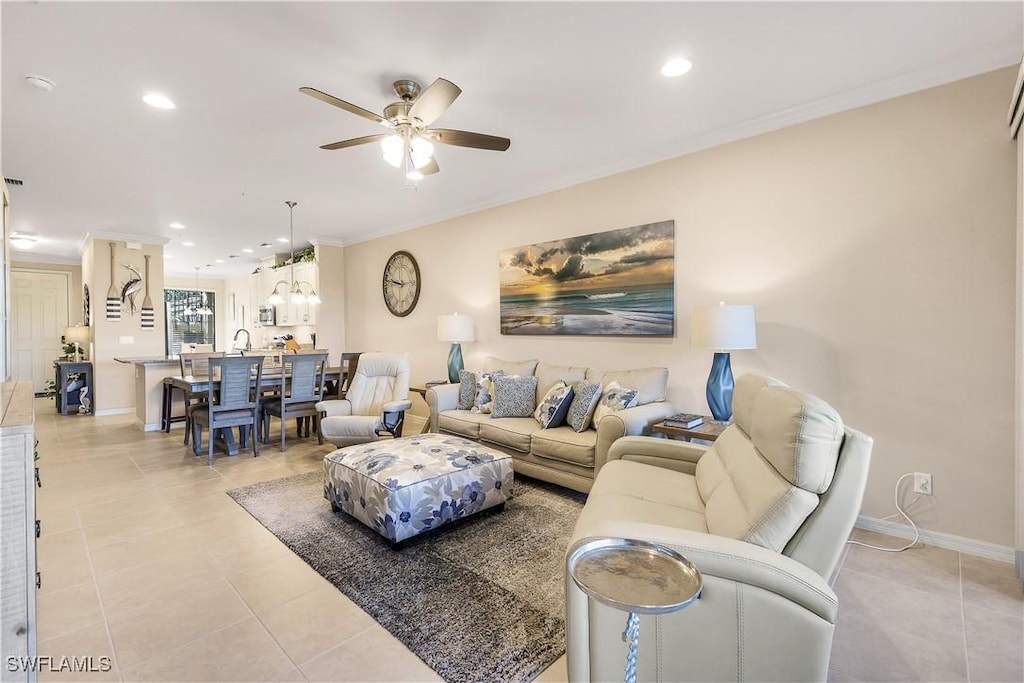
<point>670,454</point>
<point>337,408</point>
<point>396,406</point>
<point>631,421</point>
<point>736,561</point>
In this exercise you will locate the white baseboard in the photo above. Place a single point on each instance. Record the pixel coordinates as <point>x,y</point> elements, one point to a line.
<point>147,426</point>
<point>992,551</point>
<point>113,411</point>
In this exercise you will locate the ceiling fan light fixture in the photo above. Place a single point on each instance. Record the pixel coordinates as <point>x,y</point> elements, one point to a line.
<point>392,147</point>
<point>421,151</point>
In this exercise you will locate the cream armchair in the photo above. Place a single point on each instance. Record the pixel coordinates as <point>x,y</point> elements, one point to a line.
<point>374,404</point>
<point>764,513</point>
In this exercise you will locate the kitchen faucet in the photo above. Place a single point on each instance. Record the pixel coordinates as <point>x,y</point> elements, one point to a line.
<point>248,339</point>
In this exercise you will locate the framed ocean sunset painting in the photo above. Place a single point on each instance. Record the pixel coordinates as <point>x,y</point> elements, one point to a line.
<point>619,282</point>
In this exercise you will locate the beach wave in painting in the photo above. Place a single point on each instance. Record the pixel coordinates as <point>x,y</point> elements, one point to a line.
<point>644,310</point>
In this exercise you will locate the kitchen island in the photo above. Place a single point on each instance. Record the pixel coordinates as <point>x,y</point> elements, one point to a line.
<point>149,385</point>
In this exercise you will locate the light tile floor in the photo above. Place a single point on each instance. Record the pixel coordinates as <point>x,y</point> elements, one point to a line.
<point>146,561</point>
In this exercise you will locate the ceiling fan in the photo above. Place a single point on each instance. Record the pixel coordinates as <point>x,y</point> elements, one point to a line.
<point>409,140</point>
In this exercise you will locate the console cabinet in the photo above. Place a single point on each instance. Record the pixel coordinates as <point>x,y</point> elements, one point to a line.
<point>18,529</point>
<point>70,400</point>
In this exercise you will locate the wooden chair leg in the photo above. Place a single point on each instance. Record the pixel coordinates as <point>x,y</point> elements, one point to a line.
<point>197,437</point>
<point>255,439</point>
<point>319,432</point>
<point>283,423</point>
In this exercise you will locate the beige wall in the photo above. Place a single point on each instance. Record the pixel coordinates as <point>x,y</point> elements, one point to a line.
<point>877,245</point>
<point>115,382</point>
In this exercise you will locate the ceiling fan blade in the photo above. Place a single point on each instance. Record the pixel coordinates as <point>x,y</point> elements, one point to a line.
<point>355,141</point>
<point>462,138</point>
<point>433,101</point>
<point>430,167</point>
<point>347,106</point>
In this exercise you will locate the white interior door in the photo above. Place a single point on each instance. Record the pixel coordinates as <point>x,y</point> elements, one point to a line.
<point>39,315</point>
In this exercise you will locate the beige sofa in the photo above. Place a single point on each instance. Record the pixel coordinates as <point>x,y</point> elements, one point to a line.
<point>559,455</point>
<point>764,514</point>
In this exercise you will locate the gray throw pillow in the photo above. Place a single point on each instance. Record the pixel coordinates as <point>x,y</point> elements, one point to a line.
<point>514,396</point>
<point>584,401</point>
<point>467,389</point>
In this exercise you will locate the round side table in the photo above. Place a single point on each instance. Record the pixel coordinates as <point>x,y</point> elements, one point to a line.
<point>637,577</point>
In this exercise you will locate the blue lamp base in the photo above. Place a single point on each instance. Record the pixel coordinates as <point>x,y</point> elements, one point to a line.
<point>720,386</point>
<point>454,363</point>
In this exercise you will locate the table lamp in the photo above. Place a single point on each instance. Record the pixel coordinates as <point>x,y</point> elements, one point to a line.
<point>77,335</point>
<point>454,328</point>
<point>722,328</point>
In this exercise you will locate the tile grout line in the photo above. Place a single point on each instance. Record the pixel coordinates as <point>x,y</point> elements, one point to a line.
<point>99,599</point>
<point>963,614</point>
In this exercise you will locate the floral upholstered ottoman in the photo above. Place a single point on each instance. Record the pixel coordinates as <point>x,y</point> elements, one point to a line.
<point>403,487</point>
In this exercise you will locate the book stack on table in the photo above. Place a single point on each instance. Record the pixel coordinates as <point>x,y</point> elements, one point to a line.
<point>684,420</point>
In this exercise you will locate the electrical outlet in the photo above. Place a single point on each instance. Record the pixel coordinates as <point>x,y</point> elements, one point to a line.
<point>923,483</point>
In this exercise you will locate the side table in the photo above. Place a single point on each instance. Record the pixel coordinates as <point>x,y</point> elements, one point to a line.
<point>422,391</point>
<point>70,399</point>
<point>707,431</point>
<point>636,577</point>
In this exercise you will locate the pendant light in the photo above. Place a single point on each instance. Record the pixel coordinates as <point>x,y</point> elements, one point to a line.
<point>296,294</point>
<point>203,309</point>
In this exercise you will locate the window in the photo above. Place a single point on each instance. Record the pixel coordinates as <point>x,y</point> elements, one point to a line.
<point>191,319</point>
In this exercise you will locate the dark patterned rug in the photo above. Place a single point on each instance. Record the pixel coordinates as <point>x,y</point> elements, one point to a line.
<point>479,600</point>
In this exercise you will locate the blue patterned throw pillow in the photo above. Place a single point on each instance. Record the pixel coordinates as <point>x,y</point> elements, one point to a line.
<point>584,401</point>
<point>553,408</point>
<point>467,389</point>
<point>615,398</point>
<point>514,396</point>
<point>485,391</point>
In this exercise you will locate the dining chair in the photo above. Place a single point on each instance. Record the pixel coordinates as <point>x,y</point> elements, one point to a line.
<point>233,400</point>
<point>198,365</point>
<point>301,388</point>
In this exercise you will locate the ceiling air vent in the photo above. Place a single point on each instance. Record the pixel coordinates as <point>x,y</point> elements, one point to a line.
<point>14,182</point>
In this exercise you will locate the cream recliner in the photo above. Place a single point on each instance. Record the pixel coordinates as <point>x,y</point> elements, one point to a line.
<point>374,404</point>
<point>763,513</point>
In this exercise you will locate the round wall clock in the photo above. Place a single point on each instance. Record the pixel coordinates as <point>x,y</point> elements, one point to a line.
<point>401,283</point>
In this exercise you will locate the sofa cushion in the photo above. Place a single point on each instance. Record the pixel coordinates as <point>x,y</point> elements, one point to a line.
<point>523,368</point>
<point>745,497</point>
<point>462,422</point>
<point>511,432</point>
<point>586,394</point>
<point>514,396</point>
<point>552,409</point>
<point>799,435</point>
<point>566,445</point>
<point>549,375</point>
<point>614,398</point>
<point>651,383</point>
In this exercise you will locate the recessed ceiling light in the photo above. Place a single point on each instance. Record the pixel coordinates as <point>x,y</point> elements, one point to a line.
<point>176,226</point>
<point>676,67</point>
<point>282,239</point>
<point>41,83</point>
<point>188,244</point>
<point>220,260</point>
<point>155,99</point>
<point>247,250</point>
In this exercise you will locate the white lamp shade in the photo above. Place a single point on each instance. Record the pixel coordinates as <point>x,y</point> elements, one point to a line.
<point>724,328</point>
<point>76,335</point>
<point>454,328</point>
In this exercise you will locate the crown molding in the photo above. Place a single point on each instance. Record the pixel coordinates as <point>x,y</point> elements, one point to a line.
<point>156,240</point>
<point>325,241</point>
<point>28,258</point>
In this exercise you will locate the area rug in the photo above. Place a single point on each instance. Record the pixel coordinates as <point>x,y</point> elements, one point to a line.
<point>482,599</point>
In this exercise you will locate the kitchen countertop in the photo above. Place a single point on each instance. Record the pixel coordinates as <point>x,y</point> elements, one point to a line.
<point>149,360</point>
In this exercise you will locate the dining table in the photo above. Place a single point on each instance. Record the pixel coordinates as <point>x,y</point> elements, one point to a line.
<point>269,379</point>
